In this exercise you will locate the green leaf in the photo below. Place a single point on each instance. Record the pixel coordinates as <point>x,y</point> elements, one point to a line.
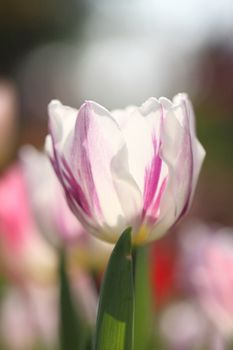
<point>143,321</point>
<point>114,329</point>
<point>74,332</point>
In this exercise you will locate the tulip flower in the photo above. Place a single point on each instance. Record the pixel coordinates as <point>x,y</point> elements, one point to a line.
<point>136,167</point>
<point>24,252</point>
<point>207,261</point>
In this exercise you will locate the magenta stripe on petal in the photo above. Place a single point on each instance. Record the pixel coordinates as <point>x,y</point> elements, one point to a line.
<point>81,144</point>
<point>74,191</point>
<point>151,179</point>
<point>156,204</point>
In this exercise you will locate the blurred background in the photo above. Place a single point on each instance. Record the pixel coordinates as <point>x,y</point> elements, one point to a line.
<point>119,53</point>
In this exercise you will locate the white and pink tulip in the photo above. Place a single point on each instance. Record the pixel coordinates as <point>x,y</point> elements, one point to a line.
<point>136,167</point>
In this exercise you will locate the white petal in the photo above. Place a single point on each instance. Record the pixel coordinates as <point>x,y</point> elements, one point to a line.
<point>128,192</point>
<point>97,139</point>
<point>48,146</point>
<point>138,137</point>
<point>183,155</point>
<point>122,115</point>
<point>61,121</point>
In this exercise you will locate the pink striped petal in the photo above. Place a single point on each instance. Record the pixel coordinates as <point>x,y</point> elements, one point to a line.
<point>180,151</point>
<point>97,140</point>
<point>153,188</point>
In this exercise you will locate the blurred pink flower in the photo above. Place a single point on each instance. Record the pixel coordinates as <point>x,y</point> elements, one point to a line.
<point>24,253</point>
<point>207,266</point>
<point>29,319</point>
<point>135,167</point>
<point>85,294</point>
<point>31,263</point>
<point>183,326</point>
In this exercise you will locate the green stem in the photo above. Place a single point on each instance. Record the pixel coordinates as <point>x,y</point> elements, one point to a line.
<point>114,329</point>
<point>73,330</point>
<point>143,319</point>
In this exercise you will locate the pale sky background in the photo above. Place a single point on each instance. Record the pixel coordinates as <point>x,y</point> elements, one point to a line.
<point>130,50</point>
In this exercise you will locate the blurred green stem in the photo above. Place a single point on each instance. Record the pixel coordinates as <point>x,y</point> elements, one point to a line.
<point>143,320</point>
<point>73,330</point>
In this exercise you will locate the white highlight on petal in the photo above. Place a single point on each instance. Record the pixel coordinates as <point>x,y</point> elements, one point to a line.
<point>61,121</point>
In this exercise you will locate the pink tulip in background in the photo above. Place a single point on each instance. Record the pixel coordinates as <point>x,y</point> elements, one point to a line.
<point>29,319</point>
<point>183,326</point>
<point>207,268</point>
<point>31,263</point>
<point>16,327</point>
<point>24,253</point>
<point>135,167</point>
<point>29,311</point>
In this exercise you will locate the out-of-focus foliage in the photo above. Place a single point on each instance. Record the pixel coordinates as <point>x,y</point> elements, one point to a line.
<point>28,24</point>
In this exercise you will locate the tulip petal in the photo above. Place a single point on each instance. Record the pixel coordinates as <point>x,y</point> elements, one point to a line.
<point>122,116</point>
<point>141,130</point>
<point>97,139</point>
<point>183,155</point>
<point>155,183</point>
<point>197,148</point>
<point>198,152</point>
<point>177,153</point>
<point>127,190</point>
<point>59,128</point>
<point>139,137</point>
<point>61,124</point>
